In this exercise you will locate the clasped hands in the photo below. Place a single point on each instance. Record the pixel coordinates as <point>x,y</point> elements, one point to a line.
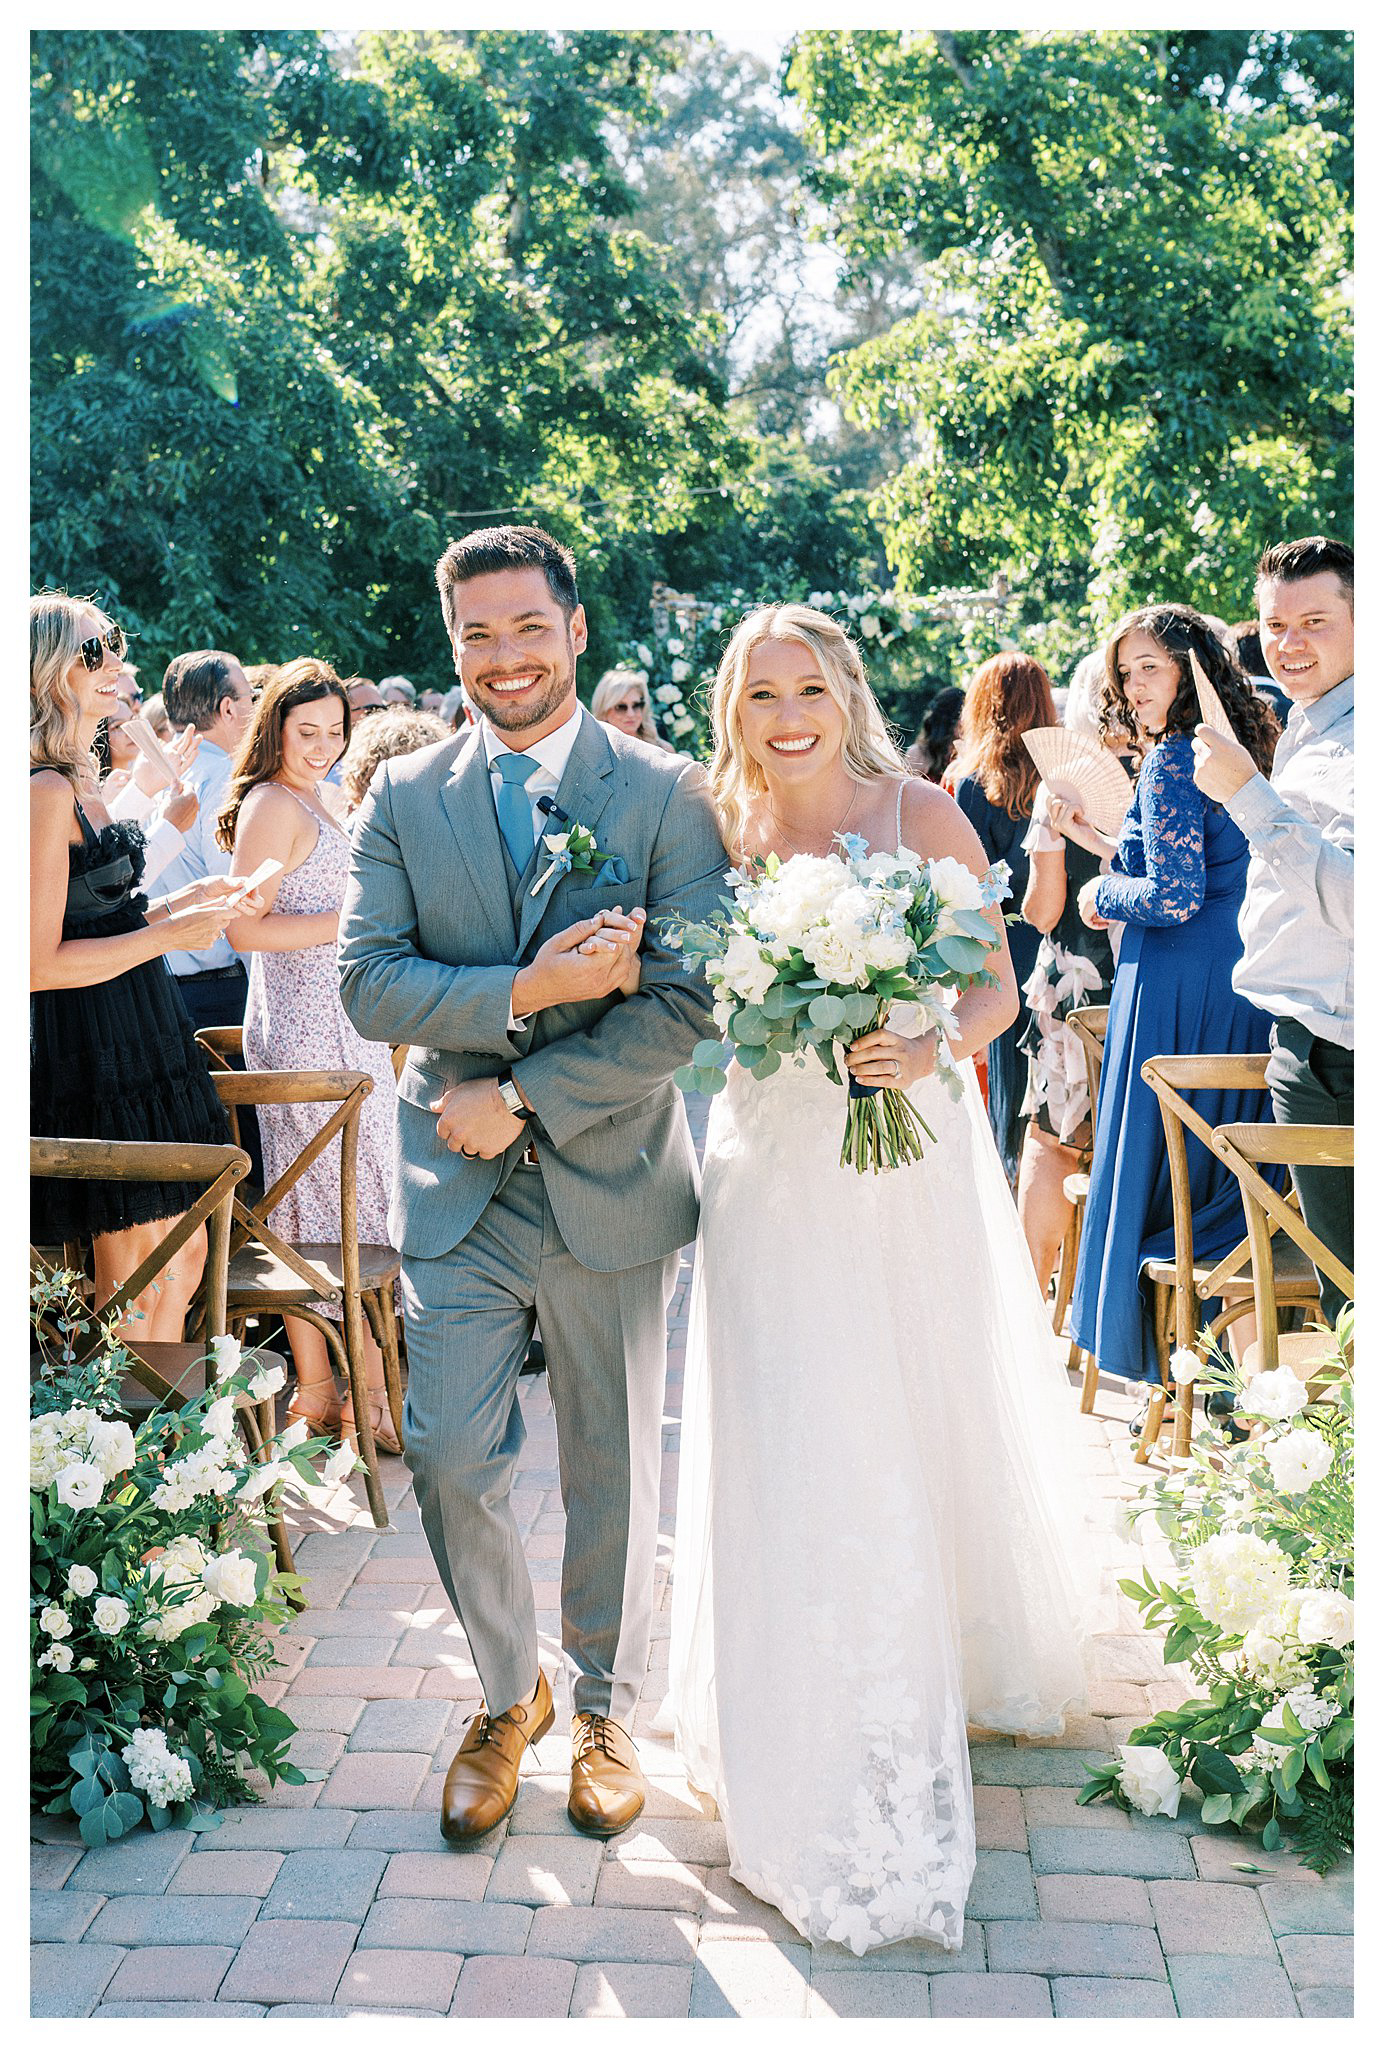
<point>595,958</point>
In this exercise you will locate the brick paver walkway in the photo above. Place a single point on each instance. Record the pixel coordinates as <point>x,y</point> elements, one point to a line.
<point>340,1896</point>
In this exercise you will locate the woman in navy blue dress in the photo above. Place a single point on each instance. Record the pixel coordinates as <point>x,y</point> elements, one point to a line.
<point>1176,885</point>
<point>995,782</point>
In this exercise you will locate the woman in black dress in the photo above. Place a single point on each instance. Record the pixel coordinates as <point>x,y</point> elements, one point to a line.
<point>112,1054</point>
<point>995,784</point>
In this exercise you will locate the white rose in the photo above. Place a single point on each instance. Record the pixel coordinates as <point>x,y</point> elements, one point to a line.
<point>1274,1395</point>
<point>341,1461</point>
<point>55,1621</point>
<point>1149,1781</point>
<point>954,883</point>
<point>112,1446</point>
<point>181,1563</point>
<point>680,670</point>
<point>1184,1365</point>
<point>295,1434</point>
<point>745,971</point>
<point>837,956</point>
<point>1327,1617</point>
<point>1298,1460</point>
<point>668,693</point>
<point>886,949</point>
<point>221,1417</point>
<point>682,723</point>
<point>225,1353</point>
<point>261,1478</point>
<point>674,646</point>
<point>268,1380</point>
<point>645,654</point>
<point>110,1615</point>
<point>82,1581</point>
<point>231,1578</point>
<point>80,1485</point>
<point>58,1657</point>
<point>869,625</point>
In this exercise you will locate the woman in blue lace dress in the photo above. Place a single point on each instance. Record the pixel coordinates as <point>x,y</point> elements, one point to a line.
<point>1176,885</point>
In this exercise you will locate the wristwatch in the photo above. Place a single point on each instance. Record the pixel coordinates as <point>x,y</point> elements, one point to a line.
<point>511,1098</point>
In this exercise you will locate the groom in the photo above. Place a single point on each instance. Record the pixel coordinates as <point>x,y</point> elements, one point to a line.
<point>544,1167</point>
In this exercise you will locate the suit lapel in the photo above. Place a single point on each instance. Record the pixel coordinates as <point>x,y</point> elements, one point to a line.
<point>583,794</point>
<point>470,809</point>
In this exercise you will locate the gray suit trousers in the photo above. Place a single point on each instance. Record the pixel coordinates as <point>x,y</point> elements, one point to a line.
<point>469,1315</point>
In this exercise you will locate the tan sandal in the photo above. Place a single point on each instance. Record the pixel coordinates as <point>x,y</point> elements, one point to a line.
<point>381,1427</point>
<point>322,1411</point>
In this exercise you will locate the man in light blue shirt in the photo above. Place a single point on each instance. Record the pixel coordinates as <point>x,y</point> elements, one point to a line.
<point>207,688</point>
<point>1297,922</point>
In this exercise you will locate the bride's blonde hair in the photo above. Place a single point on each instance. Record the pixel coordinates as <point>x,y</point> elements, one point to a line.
<point>867,749</point>
<point>55,635</point>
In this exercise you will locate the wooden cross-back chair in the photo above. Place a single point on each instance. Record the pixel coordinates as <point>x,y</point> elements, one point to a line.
<point>1183,1283</point>
<point>269,1274</point>
<point>1089,1023</point>
<point>162,1375</point>
<point>1245,1148</point>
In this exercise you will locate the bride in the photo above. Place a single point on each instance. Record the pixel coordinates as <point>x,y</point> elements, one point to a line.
<point>875,1540</point>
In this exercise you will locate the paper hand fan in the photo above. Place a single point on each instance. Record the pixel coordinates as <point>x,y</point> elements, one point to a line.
<point>146,739</point>
<point>1082,774</point>
<point>1212,709</point>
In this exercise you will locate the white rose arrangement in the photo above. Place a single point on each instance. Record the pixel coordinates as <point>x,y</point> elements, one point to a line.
<point>814,952</point>
<point>153,1588</point>
<point>1263,1612</point>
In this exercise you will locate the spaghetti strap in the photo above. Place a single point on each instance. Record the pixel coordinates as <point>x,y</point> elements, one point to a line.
<point>898,819</point>
<point>316,816</point>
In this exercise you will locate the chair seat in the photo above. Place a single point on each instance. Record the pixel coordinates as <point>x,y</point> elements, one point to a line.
<point>1295,1277</point>
<point>1076,1187</point>
<point>259,1278</point>
<point>1302,1351</point>
<point>182,1367</point>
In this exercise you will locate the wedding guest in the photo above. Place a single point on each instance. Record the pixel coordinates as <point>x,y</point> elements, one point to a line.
<point>996,782</point>
<point>119,749</point>
<point>936,742</point>
<point>456,712</point>
<point>363,696</point>
<point>396,731</point>
<point>156,717</point>
<point>1177,883</point>
<point>278,807</point>
<point>1297,923</point>
<point>398,690</point>
<point>161,812</point>
<point>112,1055</point>
<point>1249,649</point>
<point>207,689</point>
<point>431,702</point>
<point>621,699</point>
<point>1073,968</point>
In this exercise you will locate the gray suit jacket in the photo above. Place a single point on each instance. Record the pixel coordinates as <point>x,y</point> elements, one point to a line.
<point>430,944</point>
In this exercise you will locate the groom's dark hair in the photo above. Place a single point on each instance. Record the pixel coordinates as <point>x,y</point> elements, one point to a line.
<point>508,547</point>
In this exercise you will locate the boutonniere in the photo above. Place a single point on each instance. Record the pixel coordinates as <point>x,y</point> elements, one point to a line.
<point>574,851</point>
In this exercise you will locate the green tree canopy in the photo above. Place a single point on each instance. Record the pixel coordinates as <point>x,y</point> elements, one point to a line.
<point>304,310</point>
<point>1134,366</point>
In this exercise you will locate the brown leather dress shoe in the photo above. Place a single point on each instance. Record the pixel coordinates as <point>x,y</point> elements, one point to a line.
<point>608,1788</point>
<point>484,1776</point>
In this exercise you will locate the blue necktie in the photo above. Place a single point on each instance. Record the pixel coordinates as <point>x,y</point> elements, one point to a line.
<point>512,806</point>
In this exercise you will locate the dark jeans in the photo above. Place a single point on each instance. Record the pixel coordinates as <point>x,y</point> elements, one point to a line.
<point>1312,1081</point>
<point>220,999</point>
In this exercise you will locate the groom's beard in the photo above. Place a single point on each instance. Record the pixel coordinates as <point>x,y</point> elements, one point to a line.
<point>539,703</point>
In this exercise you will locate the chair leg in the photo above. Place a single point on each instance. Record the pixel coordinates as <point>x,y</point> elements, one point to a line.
<point>1153,1423</point>
<point>351,1347</point>
<point>1066,1270</point>
<point>1182,1423</point>
<point>379,1310</point>
<point>1090,1380</point>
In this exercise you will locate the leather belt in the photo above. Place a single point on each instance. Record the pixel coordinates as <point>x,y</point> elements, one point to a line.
<point>528,1157</point>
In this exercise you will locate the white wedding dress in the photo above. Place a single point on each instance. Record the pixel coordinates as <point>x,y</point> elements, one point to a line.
<point>880,1528</point>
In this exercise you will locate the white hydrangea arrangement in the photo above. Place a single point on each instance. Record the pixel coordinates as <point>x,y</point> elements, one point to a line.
<point>1263,1613</point>
<point>153,1589</point>
<point>816,950</point>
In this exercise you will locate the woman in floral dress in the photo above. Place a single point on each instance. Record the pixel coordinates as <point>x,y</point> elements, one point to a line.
<point>279,808</point>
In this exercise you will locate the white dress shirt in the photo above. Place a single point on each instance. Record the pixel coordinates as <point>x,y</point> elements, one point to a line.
<point>200,855</point>
<point>1297,921</point>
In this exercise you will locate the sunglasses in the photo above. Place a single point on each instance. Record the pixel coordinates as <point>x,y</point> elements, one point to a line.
<point>93,651</point>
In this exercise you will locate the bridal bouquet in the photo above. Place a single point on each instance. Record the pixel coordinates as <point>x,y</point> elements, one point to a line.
<point>814,950</point>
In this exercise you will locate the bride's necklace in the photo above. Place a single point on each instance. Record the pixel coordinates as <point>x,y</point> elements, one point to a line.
<point>788,835</point>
